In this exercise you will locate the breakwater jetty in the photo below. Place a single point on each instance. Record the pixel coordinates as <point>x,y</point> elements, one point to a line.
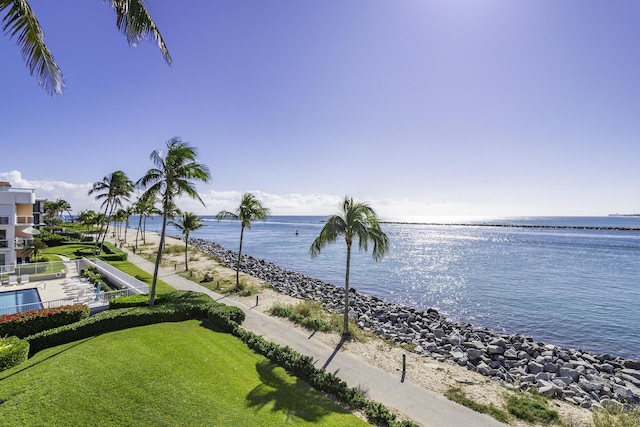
<point>508,225</point>
<point>583,378</point>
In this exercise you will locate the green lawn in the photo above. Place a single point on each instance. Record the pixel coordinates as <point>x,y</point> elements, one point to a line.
<point>169,374</point>
<point>126,266</point>
<point>135,271</point>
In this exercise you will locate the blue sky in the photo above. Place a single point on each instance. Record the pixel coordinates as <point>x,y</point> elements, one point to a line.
<point>490,108</point>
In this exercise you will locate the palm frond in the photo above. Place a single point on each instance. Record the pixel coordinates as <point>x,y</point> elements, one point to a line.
<point>21,22</point>
<point>135,22</point>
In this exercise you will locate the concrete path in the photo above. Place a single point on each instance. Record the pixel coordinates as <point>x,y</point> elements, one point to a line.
<point>422,406</point>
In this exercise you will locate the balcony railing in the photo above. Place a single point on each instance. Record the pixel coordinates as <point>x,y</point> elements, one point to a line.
<point>24,220</point>
<point>24,243</point>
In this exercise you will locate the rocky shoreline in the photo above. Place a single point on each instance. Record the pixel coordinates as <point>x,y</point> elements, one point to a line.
<point>583,378</point>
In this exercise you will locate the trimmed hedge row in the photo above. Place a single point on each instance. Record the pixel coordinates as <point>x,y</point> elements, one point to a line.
<point>33,321</point>
<point>13,351</point>
<point>302,367</point>
<point>180,306</point>
<point>141,300</point>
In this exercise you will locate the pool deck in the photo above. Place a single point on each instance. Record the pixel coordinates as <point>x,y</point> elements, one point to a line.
<point>53,289</point>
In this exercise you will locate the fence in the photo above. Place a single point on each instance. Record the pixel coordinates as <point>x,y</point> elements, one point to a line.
<point>118,277</point>
<point>90,298</point>
<point>128,286</point>
<point>34,268</point>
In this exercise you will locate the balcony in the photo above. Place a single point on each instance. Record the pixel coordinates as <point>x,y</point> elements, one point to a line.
<point>24,220</point>
<point>24,243</point>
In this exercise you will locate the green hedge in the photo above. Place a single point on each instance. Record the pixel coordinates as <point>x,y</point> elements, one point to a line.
<point>13,351</point>
<point>33,321</point>
<point>302,367</point>
<point>224,317</point>
<point>181,306</point>
<point>51,240</point>
<point>138,300</point>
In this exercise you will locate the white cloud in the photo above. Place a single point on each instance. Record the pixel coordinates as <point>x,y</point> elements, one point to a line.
<point>279,204</point>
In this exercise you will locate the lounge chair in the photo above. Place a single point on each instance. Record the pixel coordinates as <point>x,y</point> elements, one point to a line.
<point>13,279</point>
<point>24,278</point>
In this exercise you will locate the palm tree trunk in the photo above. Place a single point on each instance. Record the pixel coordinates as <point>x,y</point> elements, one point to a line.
<point>238,263</point>
<point>138,231</point>
<point>152,294</point>
<point>345,332</point>
<point>186,247</point>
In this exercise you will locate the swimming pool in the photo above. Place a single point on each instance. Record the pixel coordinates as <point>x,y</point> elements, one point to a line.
<point>26,299</point>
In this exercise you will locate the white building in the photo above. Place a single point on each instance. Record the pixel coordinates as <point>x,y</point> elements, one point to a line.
<point>16,224</point>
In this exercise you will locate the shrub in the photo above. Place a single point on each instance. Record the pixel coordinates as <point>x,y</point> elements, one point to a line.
<point>141,300</point>
<point>225,317</point>
<point>13,351</point>
<point>50,239</point>
<point>616,416</point>
<point>182,306</point>
<point>532,408</point>
<point>34,321</point>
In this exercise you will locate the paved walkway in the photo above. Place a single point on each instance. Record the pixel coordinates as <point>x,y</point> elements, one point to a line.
<point>423,406</point>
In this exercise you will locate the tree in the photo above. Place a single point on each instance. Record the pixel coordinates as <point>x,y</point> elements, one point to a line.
<point>38,247</point>
<point>356,221</point>
<point>88,218</point>
<point>132,19</point>
<point>187,222</point>
<point>113,189</point>
<point>144,209</point>
<point>250,209</point>
<point>171,178</point>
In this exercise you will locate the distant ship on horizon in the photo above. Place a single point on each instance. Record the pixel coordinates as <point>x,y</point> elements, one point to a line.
<point>617,214</point>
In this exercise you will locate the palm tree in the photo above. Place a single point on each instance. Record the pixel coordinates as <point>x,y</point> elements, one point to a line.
<point>356,221</point>
<point>169,179</point>
<point>132,19</point>
<point>87,218</point>
<point>113,189</point>
<point>187,223</point>
<point>250,209</point>
<point>144,209</point>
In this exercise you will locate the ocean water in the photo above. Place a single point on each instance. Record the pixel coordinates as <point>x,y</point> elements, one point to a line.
<point>537,276</point>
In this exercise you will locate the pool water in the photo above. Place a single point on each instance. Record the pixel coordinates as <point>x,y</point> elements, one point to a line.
<point>20,300</point>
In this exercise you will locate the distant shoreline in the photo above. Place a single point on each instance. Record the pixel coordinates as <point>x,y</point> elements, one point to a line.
<point>570,227</point>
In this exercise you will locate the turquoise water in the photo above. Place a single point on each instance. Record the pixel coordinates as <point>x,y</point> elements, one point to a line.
<point>574,287</point>
<point>10,299</point>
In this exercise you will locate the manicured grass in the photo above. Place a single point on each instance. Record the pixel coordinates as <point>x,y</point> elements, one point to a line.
<point>126,266</point>
<point>179,374</point>
<point>135,271</point>
<point>68,250</point>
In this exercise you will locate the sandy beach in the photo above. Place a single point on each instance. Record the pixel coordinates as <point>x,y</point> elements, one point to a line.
<point>425,372</point>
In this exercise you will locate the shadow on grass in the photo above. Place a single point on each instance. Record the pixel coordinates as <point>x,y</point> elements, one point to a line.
<point>30,363</point>
<point>294,399</point>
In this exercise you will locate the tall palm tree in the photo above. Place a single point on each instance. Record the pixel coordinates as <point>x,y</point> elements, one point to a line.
<point>171,178</point>
<point>250,209</point>
<point>187,222</point>
<point>132,19</point>
<point>113,189</point>
<point>144,209</point>
<point>356,221</point>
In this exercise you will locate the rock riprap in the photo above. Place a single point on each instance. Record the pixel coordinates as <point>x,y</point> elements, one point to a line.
<point>518,361</point>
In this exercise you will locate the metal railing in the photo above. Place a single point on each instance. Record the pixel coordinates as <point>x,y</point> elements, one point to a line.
<point>23,243</point>
<point>34,268</point>
<point>119,276</point>
<point>90,298</point>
